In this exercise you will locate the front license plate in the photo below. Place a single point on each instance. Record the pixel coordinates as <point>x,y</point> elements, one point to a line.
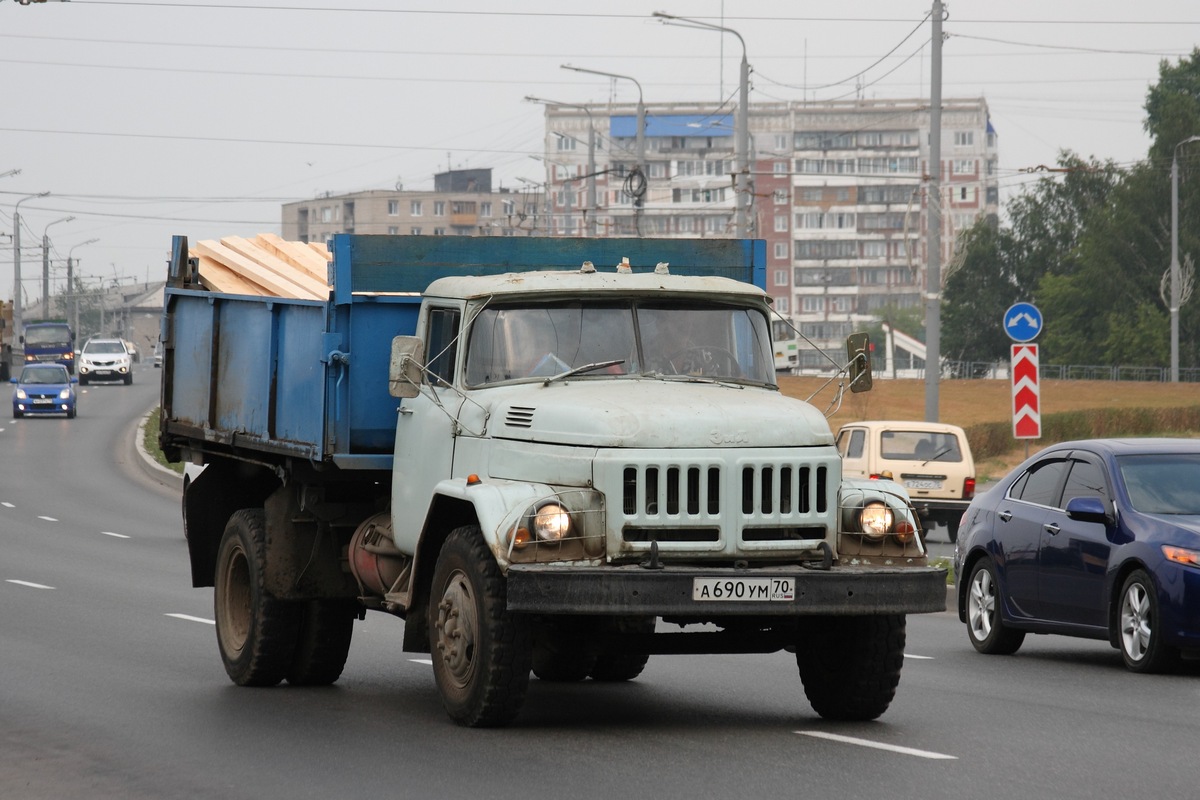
<point>744,589</point>
<point>922,484</point>
<point>39,401</point>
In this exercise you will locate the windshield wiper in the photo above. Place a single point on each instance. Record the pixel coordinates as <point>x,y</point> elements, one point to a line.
<point>585,368</point>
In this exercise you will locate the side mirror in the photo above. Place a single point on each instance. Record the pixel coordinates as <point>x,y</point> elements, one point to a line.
<point>14,380</point>
<point>1087,509</point>
<point>405,374</point>
<point>74,379</point>
<point>858,349</point>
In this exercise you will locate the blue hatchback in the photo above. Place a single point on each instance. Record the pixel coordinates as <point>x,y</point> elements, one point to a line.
<point>44,389</point>
<point>1098,539</point>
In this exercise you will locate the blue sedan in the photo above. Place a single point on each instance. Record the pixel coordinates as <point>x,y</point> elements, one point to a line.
<point>44,389</point>
<point>1098,539</point>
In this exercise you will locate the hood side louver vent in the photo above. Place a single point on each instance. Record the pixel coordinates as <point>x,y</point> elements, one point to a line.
<point>519,417</point>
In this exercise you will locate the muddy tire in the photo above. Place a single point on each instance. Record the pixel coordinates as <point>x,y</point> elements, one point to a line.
<point>256,633</point>
<point>322,642</point>
<point>555,660</point>
<point>481,652</point>
<point>616,667</point>
<point>850,666</point>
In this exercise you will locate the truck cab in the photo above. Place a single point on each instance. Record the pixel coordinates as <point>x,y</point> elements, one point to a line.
<point>49,342</point>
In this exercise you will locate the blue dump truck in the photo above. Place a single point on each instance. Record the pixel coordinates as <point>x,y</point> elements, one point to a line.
<point>50,341</point>
<point>543,463</point>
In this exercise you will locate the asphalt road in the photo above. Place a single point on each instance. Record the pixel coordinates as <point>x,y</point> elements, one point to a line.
<point>111,686</point>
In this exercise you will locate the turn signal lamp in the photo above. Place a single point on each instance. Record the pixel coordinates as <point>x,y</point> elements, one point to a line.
<point>1181,555</point>
<point>473,480</point>
<point>968,488</point>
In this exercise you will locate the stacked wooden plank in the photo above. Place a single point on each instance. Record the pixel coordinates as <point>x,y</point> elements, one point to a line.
<point>266,265</point>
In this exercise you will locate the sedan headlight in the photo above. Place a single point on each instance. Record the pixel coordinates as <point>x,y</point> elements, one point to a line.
<point>551,523</point>
<point>65,394</point>
<point>875,520</point>
<point>21,395</point>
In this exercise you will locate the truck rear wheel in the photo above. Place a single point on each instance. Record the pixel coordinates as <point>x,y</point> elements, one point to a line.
<point>850,666</point>
<point>256,632</point>
<point>481,652</point>
<point>613,667</point>
<point>322,643</point>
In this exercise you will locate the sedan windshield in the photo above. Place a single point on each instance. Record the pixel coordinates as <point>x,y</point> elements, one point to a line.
<point>1163,483</point>
<point>538,341</point>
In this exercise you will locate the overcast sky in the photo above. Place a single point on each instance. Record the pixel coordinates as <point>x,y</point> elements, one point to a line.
<point>147,119</point>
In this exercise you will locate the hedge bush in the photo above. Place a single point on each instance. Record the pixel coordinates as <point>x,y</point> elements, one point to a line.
<point>991,439</point>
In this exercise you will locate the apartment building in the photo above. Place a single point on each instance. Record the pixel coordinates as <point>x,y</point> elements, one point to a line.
<point>462,203</point>
<point>839,193</point>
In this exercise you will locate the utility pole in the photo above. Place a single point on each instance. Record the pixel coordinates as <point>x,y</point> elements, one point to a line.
<point>933,277</point>
<point>18,329</point>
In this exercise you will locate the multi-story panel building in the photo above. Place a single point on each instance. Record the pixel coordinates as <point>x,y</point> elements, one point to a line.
<point>461,204</point>
<point>839,192</point>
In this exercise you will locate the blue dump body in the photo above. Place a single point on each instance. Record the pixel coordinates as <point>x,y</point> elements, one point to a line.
<point>309,378</point>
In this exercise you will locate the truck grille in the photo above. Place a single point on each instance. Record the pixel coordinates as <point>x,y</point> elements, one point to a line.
<point>724,505</point>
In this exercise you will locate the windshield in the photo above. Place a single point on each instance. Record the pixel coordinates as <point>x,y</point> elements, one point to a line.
<point>40,335</point>
<point>44,375</point>
<point>1163,483</point>
<point>104,347</point>
<point>723,342</point>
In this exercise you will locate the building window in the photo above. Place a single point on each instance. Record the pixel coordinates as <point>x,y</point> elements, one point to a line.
<point>813,304</point>
<point>565,142</point>
<point>439,231</point>
<point>781,305</point>
<point>415,208</point>
<point>485,209</point>
<point>509,207</point>
<point>780,196</point>
<point>964,138</point>
<point>393,208</point>
<point>415,231</point>
<point>780,168</point>
<point>439,208</point>
<point>963,166</point>
<point>781,141</point>
<point>326,214</point>
<point>781,277</point>
<point>781,250</point>
<point>781,223</point>
<point>393,230</point>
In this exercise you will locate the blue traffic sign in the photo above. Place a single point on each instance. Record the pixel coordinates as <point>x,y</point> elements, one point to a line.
<point>1022,322</point>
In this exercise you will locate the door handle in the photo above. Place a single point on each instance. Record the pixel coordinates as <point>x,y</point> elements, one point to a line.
<point>1005,515</point>
<point>1051,528</point>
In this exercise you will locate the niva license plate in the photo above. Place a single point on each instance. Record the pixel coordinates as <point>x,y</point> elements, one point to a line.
<point>744,589</point>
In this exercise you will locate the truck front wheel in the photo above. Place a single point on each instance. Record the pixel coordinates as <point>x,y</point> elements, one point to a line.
<point>850,666</point>
<point>256,632</point>
<point>481,651</point>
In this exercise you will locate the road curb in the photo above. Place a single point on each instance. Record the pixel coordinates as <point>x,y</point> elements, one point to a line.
<point>149,466</point>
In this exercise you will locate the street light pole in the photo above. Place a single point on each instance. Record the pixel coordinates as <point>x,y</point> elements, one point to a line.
<point>71,295</point>
<point>591,163</point>
<point>46,267</point>
<point>641,133</point>
<point>17,327</point>
<point>1175,276</point>
<point>743,192</point>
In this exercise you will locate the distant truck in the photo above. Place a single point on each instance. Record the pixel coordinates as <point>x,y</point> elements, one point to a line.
<point>540,465</point>
<point>49,341</point>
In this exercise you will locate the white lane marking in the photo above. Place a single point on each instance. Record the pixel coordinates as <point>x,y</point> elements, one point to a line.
<point>116,535</point>
<point>48,519</point>
<point>7,505</point>
<point>428,661</point>
<point>908,751</point>
<point>918,658</point>
<point>30,585</point>
<point>190,618</point>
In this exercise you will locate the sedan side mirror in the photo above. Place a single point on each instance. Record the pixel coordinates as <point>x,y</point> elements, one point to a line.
<point>1088,509</point>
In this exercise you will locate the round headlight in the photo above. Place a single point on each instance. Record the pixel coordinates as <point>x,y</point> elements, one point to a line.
<point>875,520</point>
<point>551,523</point>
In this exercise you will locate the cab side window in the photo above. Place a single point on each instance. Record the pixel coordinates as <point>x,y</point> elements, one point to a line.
<point>441,345</point>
